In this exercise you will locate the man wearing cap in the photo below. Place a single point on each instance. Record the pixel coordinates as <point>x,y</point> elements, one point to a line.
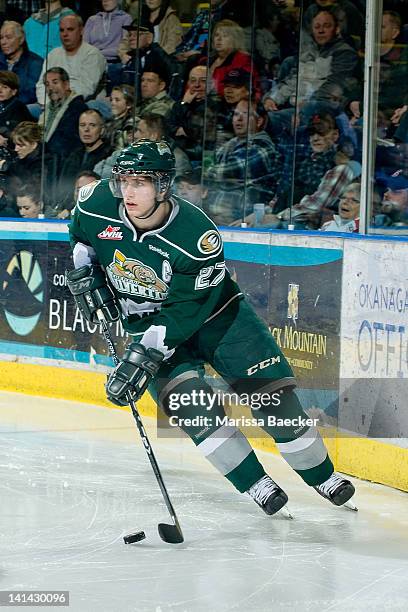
<point>139,44</point>
<point>236,88</point>
<point>394,208</point>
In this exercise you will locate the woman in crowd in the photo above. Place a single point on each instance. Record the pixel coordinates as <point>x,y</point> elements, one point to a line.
<point>121,99</point>
<point>167,26</point>
<point>228,44</point>
<point>12,111</point>
<point>29,204</point>
<point>26,167</point>
<point>104,30</point>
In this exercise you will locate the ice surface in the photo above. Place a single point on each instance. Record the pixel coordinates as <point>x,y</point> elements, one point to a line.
<point>75,478</point>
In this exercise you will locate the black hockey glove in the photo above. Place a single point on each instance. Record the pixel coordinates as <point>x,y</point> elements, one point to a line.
<point>133,374</point>
<point>88,286</point>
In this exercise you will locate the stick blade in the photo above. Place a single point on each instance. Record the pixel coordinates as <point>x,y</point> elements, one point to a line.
<point>170,533</point>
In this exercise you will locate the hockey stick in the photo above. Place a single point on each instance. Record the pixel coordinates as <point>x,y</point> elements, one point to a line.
<point>168,533</point>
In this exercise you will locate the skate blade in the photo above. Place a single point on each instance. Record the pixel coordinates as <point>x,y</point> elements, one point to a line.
<point>350,506</point>
<point>286,513</point>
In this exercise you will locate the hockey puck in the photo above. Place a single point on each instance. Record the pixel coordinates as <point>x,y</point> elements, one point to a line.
<point>134,537</point>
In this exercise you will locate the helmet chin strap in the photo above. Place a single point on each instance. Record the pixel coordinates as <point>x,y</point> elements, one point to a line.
<point>155,207</point>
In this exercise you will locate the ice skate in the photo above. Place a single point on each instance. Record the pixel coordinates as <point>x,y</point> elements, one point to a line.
<point>268,495</point>
<point>337,490</point>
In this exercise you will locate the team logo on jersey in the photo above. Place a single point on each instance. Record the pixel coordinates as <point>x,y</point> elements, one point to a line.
<point>163,148</point>
<point>136,278</point>
<point>209,242</point>
<point>111,233</point>
<point>87,190</point>
<point>293,301</point>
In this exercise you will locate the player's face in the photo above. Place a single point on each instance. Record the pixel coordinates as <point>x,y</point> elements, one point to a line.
<point>6,92</point>
<point>27,208</point>
<point>118,103</point>
<point>56,88</point>
<point>324,28</point>
<point>139,195</point>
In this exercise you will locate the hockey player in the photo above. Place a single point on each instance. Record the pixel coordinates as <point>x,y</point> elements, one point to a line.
<point>157,261</point>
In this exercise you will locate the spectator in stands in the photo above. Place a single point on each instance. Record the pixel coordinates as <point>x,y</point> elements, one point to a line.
<point>152,126</point>
<point>26,168</point>
<point>246,169</point>
<point>104,30</point>
<point>84,63</point>
<point>308,213</point>
<point>183,114</point>
<point>19,10</point>
<point>121,98</point>
<point>12,110</point>
<point>325,59</point>
<point>61,114</point>
<point>190,186</point>
<point>104,167</point>
<point>84,177</point>
<point>228,43</point>
<point>131,7</point>
<point>167,26</point>
<point>28,202</point>
<point>195,39</point>
<point>16,57</point>
<point>42,28</point>
<point>394,208</point>
<point>349,17</point>
<point>7,209</point>
<point>155,98</point>
<point>393,72</point>
<point>323,137</point>
<point>93,149</point>
<point>138,43</point>
<point>266,42</point>
<point>349,212</point>
<point>236,88</point>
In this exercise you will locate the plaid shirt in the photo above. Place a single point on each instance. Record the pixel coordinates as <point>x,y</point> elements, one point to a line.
<point>331,186</point>
<point>259,165</point>
<point>27,6</point>
<point>311,170</point>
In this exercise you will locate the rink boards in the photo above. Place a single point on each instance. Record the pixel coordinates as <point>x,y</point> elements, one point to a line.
<point>336,305</point>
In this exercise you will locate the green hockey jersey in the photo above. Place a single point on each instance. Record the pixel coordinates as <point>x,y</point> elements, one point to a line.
<point>168,281</point>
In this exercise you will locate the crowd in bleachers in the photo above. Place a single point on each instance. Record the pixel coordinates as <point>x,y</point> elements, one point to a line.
<point>262,102</point>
